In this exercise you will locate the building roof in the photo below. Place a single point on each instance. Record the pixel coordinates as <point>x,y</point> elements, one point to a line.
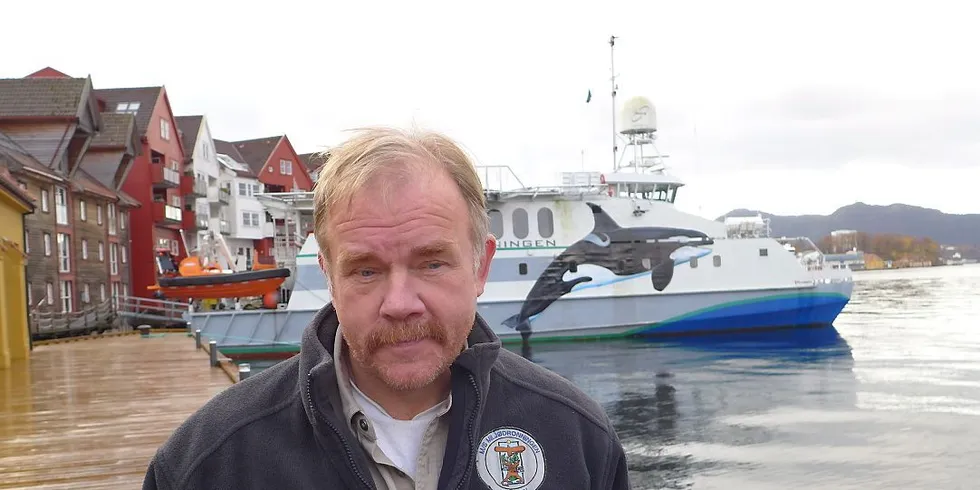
<point>127,200</point>
<point>189,127</point>
<point>227,148</point>
<point>256,152</point>
<point>314,161</point>
<point>8,183</point>
<point>84,182</point>
<point>16,158</point>
<point>146,96</point>
<point>42,97</point>
<point>117,131</point>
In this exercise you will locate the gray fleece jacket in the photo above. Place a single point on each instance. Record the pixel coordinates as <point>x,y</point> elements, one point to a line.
<point>513,424</point>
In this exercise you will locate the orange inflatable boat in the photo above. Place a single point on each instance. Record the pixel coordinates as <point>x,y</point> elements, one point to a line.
<point>193,281</point>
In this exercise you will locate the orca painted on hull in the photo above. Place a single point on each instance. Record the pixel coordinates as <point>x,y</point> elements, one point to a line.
<point>622,251</point>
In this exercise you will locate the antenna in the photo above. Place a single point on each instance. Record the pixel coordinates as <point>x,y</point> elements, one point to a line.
<point>612,69</point>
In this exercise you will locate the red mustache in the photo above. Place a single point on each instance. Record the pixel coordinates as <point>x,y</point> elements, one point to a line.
<point>405,332</point>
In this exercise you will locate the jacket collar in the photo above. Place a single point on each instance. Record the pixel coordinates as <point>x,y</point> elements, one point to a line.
<point>317,371</point>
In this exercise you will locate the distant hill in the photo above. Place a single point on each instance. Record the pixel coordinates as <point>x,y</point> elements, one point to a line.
<point>947,229</point>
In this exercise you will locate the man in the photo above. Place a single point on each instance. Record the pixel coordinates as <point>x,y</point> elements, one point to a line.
<point>399,384</point>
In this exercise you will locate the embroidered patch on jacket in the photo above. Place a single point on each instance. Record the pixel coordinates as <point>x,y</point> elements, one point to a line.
<point>510,458</point>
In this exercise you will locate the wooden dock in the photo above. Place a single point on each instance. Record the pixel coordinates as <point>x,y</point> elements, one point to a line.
<point>91,413</point>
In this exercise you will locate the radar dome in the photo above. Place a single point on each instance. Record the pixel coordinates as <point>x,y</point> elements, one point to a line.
<point>638,116</point>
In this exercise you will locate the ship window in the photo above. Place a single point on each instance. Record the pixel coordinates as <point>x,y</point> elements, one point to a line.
<point>694,262</point>
<point>546,223</point>
<point>522,268</point>
<point>520,223</point>
<point>763,252</point>
<point>496,223</point>
<point>717,260</point>
<point>573,267</point>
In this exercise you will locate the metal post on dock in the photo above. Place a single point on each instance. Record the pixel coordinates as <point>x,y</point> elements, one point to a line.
<point>197,338</point>
<point>244,371</point>
<point>213,351</point>
<point>144,330</point>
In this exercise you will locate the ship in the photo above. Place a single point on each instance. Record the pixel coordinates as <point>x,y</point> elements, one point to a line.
<point>596,256</point>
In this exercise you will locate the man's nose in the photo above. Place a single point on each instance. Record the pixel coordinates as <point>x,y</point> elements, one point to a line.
<point>401,299</point>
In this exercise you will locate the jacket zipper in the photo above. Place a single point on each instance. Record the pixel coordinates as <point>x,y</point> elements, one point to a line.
<point>347,449</point>
<point>469,434</point>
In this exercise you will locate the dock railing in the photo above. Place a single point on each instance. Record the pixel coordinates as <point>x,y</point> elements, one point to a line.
<point>51,324</point>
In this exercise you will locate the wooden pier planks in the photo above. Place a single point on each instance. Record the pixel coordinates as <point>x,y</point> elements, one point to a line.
<point>90,414</point>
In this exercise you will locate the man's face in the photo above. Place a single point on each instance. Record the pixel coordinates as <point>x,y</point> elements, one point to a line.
<point>403,278</point>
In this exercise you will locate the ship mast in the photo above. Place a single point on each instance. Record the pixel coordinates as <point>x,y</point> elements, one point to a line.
<point>612,79</point>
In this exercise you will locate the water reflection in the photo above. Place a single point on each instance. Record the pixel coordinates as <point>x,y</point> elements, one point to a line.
<point>678,404</point>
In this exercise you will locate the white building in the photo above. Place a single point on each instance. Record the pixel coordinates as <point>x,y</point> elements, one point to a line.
<point>243,220</point>
<point>199,147</point>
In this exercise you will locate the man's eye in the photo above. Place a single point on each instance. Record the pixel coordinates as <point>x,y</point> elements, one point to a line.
<point>434,265</point>
<point>365,273</point>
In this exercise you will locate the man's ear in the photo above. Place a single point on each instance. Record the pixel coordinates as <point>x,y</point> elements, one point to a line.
<point>483,272</point>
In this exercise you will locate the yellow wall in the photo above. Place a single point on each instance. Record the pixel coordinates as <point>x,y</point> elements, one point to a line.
<point>14,337</point>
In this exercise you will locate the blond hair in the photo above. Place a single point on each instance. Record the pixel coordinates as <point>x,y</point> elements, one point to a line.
<point>350,166</point>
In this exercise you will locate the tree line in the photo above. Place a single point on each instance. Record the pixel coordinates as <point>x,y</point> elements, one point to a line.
<point>888,246</point>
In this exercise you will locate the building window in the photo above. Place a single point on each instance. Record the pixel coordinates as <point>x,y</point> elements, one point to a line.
<point>175,201</point>
<point>122,251</point>
<point>122,220</point>
<point>112,218</point>
<point>243,189</point>
<point>175,247</point>
<point>46,241</point>
<point>164,129</point>
<point>496,223</point>
<point>115,291</point>
<point>98,214</point>
<point>66,296</point>
<point>717,260</point>
<point>64,253</point>
<point>30,296</point>
<point>250,219</point>
<point>84,249</point>
<point>256,189</point>
<point>102,292</point>
<point>86,298</point>
<point>546,223</point>
<point>61,205</point>
<point>27,242</point>
<point>44,200</point>
<point>128,108</point>
<point>763,252</point>
<point>113,259</point>
<point>101,252</point>
<point>286,167</point>
<point>49,293</point>
<point>82,211</point>
<point>520,222</point>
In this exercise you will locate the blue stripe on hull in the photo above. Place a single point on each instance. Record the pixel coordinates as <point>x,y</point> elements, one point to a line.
<point>768,312</point>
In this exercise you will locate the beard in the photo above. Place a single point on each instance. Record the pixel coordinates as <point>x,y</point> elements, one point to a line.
<point>407,374</point>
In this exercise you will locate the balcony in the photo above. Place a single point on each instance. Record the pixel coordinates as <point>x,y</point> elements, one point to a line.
<point>191,186</point>
<point>164,177</point>
<point>167,215</point>
<point>224,227</point>
<point>224,195</point>
<point>203,222</point>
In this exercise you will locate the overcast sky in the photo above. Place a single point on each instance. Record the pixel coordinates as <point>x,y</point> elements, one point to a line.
<point>764,105</point>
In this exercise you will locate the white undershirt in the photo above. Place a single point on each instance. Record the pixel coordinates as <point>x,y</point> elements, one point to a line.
<point>400,440</point>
